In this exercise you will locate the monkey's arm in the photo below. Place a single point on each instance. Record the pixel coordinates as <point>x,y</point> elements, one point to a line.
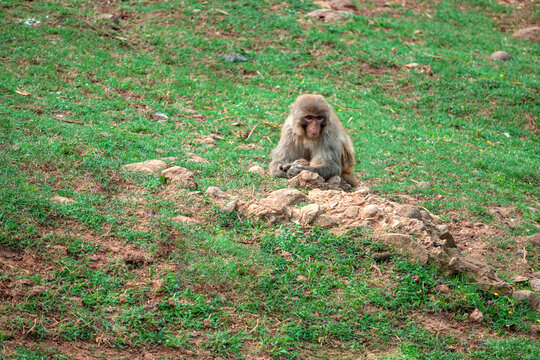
<point>324,163</point>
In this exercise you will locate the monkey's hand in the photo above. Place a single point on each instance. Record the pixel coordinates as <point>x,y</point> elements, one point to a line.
<point>299,162</point>
<point>297,169</point>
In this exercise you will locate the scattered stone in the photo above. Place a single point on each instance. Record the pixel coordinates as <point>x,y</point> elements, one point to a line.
<point>535,284</point>
<point>61,200</point>
<point>364,190</point>
<point>308,179</point>
<point>409,211</point>
<point>425,215</point>
<point>370,211</point>
<point>256,170</point>
<point>530,33</point>
<point>105,16</point>
<point>305,215</point>
<point>180,176</point>
<point>476,316</point>
<point>197,158</point>
<point>234,58</point>
<point>528,297</point>
<point>147,167</point>
<point>442,228</point>
<point>352,212</point>
<point>277,205</point>
<point>501,56</point>
<point>215,192</point>
<point>301,278</point>
<point>327,15</point>
<point>534,240</point>
<point>285,196</point>
<point>443,289</point>
<point>382,256</point>
<point>327,221</point>
<point>406,246</point>
<point>519,279</point>
<point>159,116</point>
<point>230,206</point>
<point>336,4</point>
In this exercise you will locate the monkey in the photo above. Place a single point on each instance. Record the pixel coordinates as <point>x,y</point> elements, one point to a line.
<point>313,139</point>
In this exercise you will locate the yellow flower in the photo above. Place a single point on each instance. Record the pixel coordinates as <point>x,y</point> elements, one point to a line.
<point>339,110</point>
<point>495,294</point>
<point>509,312</point>
<point>502,75</point>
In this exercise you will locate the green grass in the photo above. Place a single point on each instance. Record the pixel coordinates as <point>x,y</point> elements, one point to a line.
<point>222,288</point>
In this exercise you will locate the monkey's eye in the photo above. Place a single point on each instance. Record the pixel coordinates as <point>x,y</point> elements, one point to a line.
<point>309,117</point>
<point>321,118</point>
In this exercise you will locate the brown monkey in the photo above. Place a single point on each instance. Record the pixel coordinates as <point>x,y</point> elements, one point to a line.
<point>313,138</point>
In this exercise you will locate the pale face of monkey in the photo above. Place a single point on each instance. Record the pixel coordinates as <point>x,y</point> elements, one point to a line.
<point>313,124</point>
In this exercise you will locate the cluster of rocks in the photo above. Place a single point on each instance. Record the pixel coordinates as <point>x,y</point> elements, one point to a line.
<point>408,229</point>
<point>173,175</point>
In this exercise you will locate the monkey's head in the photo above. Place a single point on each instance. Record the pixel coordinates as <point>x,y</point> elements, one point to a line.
<point>311,114</point>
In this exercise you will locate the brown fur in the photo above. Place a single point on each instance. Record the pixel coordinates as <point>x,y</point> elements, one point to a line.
<point>330,153</point>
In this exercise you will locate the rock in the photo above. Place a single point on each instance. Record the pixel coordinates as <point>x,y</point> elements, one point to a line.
<point>230,206</point>
<point>442,228</point>
<point>528,297</point>
<point>234,58</point>
<point>370,211</point>
<point>519,279</point>
<point>326,15</point>
<point>105,16</point>
<point>476,316</point>
<point>159,116</point>
<point>406,246</point>
<point>336,4</point>
<point>215,192</point>
<point>170,159</point>
<point>382,256</point>
<point>352,212</point>
<point>207,140</point>
<point>443,289</point>
<point>425,215</point>
<point>535,284</point>
<point>184,219</point>
<point>305,215</point>
<point>61,200</point>
<point>147,167</point>
<point>257,170</point>
<point>196,158</point>
<point>534,240</point>
<point>409,211</point>
<point>364,190</point>
<point>501,56</point>
<point>327,221</point>
<point>308,179</point>
<point>180,176</point>
<point>286,197</point>
<point>449,241</point>
<point>535,275</point>
<point>301,278</point>
<point>531,33</point>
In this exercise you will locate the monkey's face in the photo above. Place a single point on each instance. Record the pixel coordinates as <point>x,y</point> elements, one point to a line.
<point>313,125</point>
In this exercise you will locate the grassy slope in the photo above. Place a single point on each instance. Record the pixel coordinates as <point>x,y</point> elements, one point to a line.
<point>203,292</point>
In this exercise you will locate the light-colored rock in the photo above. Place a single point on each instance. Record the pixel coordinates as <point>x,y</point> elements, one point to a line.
<point>519,279</point>
<point>406,246</point>
<point>327,221</point>
<point>409,211</point>
<point>336,4</point>
<point>230,206</point>
<point>257,170</point>
<point>301,278</point>
<point>215,192</point>
<point>326,15</point>
<point>352,212</point>
<point>370,211</point>
<point>425,215</point>
<point>476,316</point>
<point>196,158</point>
<point>180,176</point>
<point>159,116</point>
<point>528,297</point>
<point>531,33</point>
<point>535,284</point>
<point>308,179</point>
<point>306,214</point>
<point>147,167</point>
<point>61,200</point>
<point>501,56</point>
<point>535,275</point>
<point>284,197</point>
<point>534,240</point>
<point>442,228</point>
